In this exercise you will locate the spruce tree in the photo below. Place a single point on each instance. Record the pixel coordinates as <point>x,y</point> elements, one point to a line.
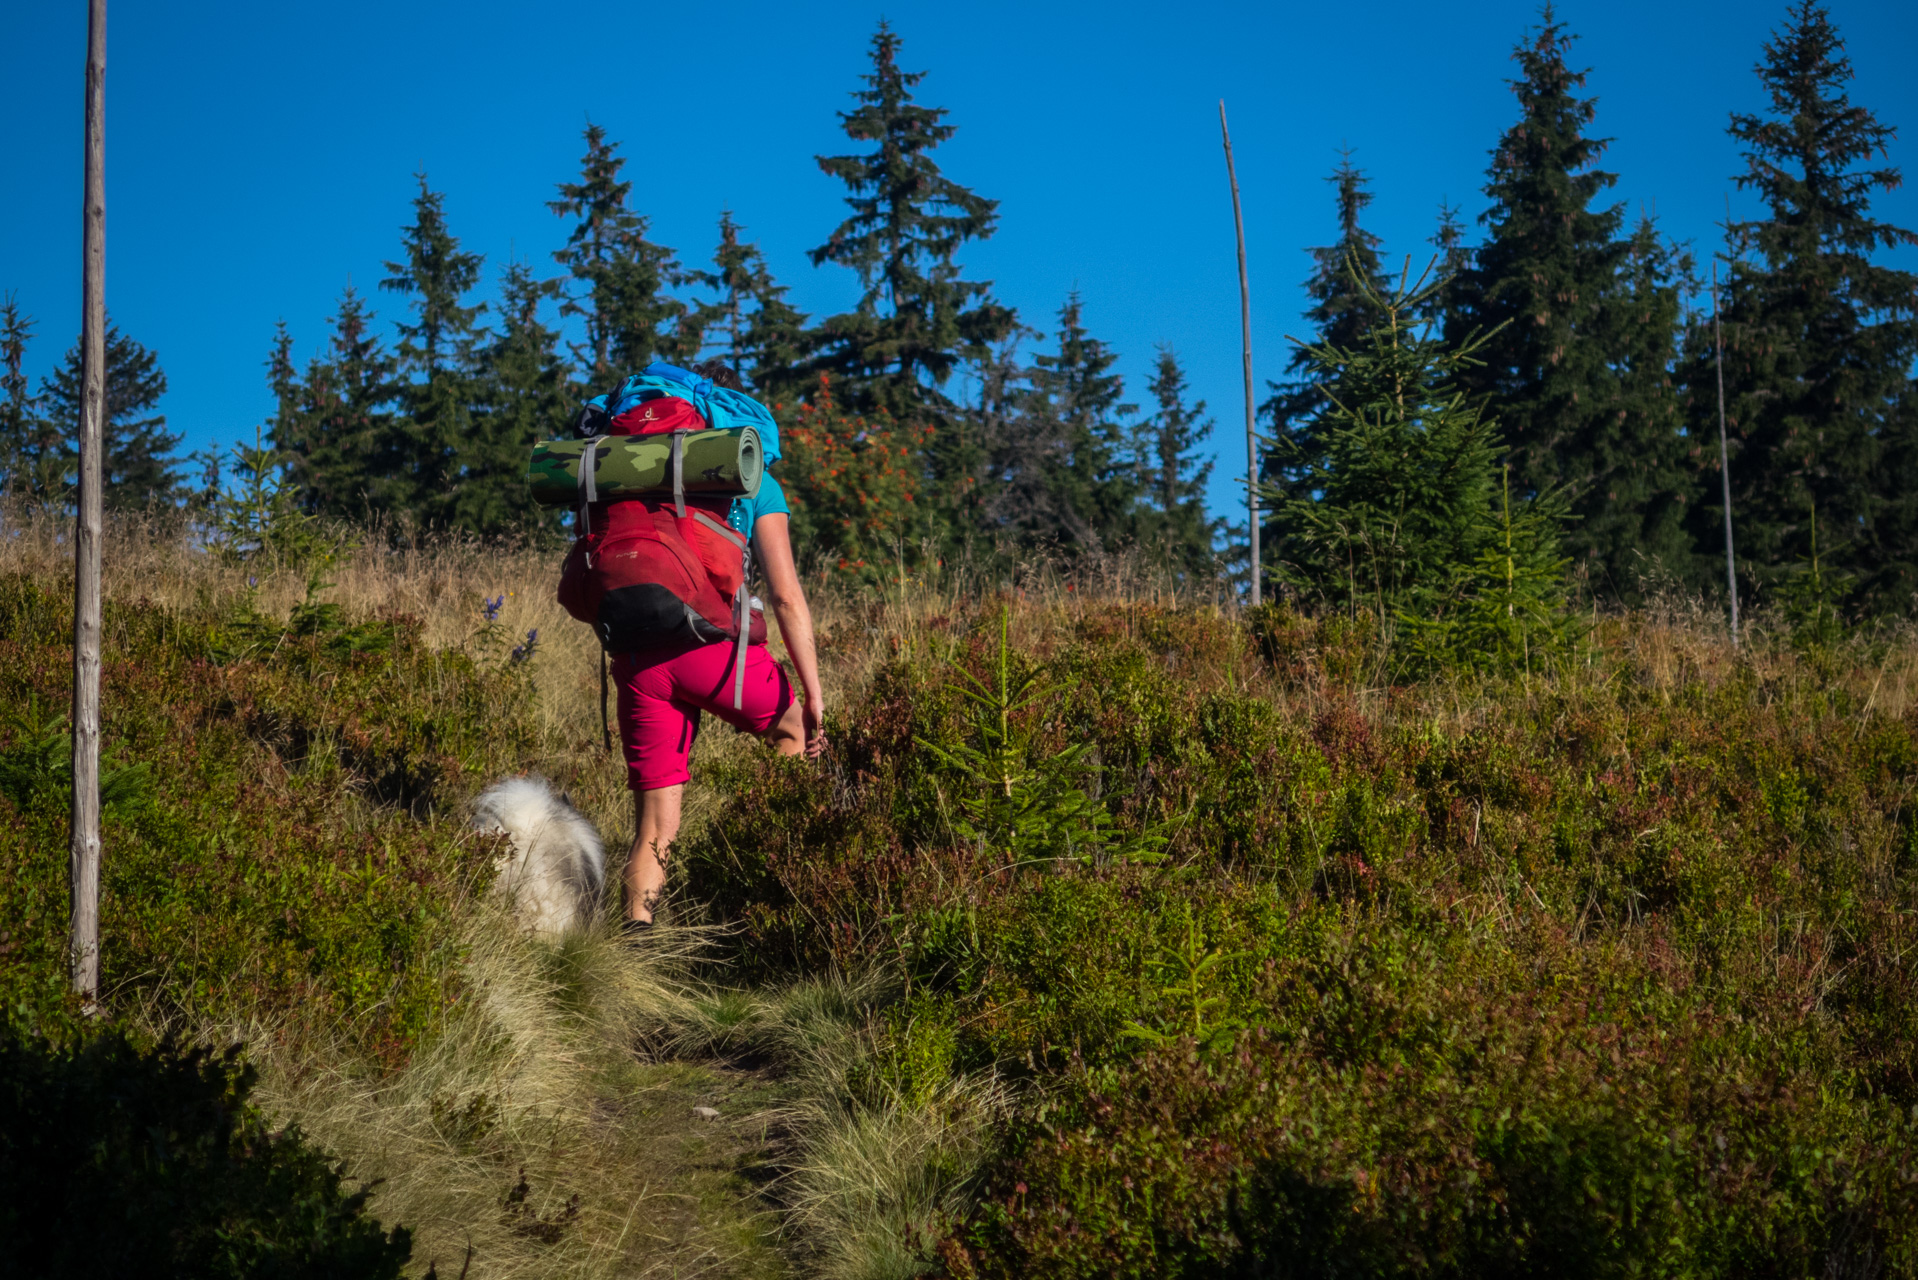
<point>436,275</point>
<point>1450,263</point>
<point>1554,273</point>
<point>1079,479</point>
<point>524,393</point>
<point>1086,396</point>
<point>30,456</point>
<point>1176,527</point>
<point>1819,340</point>
<point>917,318</point>
<point>620,277</point>
<point>421,458</point>
<point>1639,529</point>
<point>1386,493</point>
<point>137,462</point>
<point>1506,610</point>
<point>749,322</point>
<point>336,426</point>
<point>1345,276</point>
<point>985,455</point>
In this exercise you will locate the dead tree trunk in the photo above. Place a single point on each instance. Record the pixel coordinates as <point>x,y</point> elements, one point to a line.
<point>85,845</point>
<point>1724,456</point>
<point>1245,333</point>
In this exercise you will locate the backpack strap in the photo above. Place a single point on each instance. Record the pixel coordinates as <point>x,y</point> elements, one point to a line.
<point>589,494</point>
<point>679,473</point>
<point>723,530</point>
<point>743,620</point>
<point>743,616</point>
<point>588,488</point>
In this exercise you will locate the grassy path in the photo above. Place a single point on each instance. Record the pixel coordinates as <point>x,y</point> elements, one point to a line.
<point>706,1208</point>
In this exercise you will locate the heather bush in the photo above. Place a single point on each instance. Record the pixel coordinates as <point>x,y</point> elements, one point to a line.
<point>1110,937</point>
<point>281,819</point>
<point>1423,1125</point>
<point>1601,971</point>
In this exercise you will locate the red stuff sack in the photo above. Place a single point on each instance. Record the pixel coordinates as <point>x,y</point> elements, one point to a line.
<point>652,417</point>
<point>661,574</point>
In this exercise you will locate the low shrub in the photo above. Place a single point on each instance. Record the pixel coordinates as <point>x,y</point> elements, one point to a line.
<point>1598,971</point>
<point>282,835</point>
<point>1413,1127</point>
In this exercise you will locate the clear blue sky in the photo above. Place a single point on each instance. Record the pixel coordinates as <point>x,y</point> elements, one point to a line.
<point>260,156</point>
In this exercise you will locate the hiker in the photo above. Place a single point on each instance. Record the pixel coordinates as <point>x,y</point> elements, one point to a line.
<point>671,660</point>
<point>661,695</point>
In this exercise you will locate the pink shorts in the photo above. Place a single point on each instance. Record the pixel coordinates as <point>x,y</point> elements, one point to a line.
<point>660,700</point>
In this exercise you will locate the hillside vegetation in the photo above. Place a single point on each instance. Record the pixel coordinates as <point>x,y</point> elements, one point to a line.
<point>1118,934</point>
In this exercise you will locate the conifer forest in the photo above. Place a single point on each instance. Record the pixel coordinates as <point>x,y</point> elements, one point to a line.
<point>1458,891</point>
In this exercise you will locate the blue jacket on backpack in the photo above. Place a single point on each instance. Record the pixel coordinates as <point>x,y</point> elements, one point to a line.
<point>723,408</point>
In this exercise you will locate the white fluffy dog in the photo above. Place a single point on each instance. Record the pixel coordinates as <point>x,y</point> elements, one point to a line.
<point>555,866</point>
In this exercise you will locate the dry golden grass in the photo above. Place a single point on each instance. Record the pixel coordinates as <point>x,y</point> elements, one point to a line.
<point>543,1078</point>
<point>875,1186</point>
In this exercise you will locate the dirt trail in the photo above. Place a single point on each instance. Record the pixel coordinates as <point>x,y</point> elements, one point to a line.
<point>704,1206</point>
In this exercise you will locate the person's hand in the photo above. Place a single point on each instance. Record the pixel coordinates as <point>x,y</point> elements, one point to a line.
<point>813,718</point>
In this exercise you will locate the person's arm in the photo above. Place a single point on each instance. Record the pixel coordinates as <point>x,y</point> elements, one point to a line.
<point>775,549</point>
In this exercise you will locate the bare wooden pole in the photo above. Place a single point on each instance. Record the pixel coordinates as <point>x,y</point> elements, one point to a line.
<point>1724,456</point>
<point>1245,332</point>
<point>84,940</point>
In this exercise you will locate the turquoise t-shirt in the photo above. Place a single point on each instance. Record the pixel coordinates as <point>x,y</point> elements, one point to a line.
<point>769,501</point>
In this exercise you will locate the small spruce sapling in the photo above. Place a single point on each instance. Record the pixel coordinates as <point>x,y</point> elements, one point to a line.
<point>38,766</point>
<point>1814,595</point>
<point>1185,975</point>
<point>1508,608</point>
<point>1022,804</point>
<point>261,516</point>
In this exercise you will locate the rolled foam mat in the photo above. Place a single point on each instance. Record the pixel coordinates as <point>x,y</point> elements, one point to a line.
<point>632,466</point>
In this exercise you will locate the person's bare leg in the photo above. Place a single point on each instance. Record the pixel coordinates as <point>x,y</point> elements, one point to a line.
<point>788,733</point>
<point>656,818</point>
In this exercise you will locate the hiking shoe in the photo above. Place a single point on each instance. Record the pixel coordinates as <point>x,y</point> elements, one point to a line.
<point>634,930</point>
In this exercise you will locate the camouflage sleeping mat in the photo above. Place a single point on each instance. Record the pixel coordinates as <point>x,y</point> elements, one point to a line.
<point>714,462</point>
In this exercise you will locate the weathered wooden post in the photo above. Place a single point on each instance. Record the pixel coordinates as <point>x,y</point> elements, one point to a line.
<point>1724,455</point>
<point>85,846</point>
<point>1245,333</point>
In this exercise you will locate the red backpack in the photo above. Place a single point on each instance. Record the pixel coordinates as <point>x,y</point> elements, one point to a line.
<point>656,575</point>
